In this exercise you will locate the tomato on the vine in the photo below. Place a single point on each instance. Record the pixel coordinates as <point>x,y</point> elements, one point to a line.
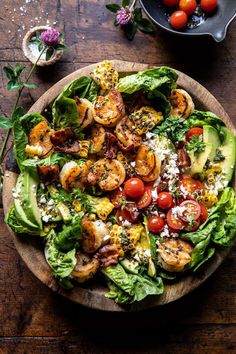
<point>174,222</point>
<point>164,200</point>
<point>155,224</point>
<point>192,211</point>
<point>134,188</point>
<point>189,6</point>
<point>195,131</point>
<point>178,19</point>
<point>145,199</point>
<point>128,213</point>
<point>170,3</point>
<point>209,5</point>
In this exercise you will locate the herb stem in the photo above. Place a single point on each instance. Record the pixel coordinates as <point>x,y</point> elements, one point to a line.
<point>132,5</point>
<point>16,103</point>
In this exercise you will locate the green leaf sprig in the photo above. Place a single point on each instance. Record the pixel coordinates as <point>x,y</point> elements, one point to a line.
<point>130,18</point>
<point>196,144</point>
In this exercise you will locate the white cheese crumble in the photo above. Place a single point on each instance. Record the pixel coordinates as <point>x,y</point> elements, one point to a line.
<point>183,191</point>
<point>165,232</point>
<point>126,223</point>
<point>154,195</point>
<point>132,164</point>
<point>178,211</point>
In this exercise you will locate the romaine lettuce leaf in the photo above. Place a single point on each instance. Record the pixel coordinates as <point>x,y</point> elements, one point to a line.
<point>131,287</point>
<point>15,224</point>
<point>64,109</point>
<point>62,263</point>
<point>67,238</point>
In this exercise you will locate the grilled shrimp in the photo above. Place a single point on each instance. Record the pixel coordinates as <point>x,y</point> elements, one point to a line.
<point>69,175</point>
<point>145,161</point>
<point>155,172</point>
<point>174,254</point>
<point>39,136</point>
<point>109,110</point>
<point>97,138</point>
<point>182,103</point>
<point>86,112</point>
<point>109,174</point>
<point>94,233</point>
<point>126,134</point>
<point>85,268</point>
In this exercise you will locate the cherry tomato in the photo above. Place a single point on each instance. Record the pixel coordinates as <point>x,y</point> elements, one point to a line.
<point>164,200</point>
<point>163,186</point>
<point>189,6</point>
<point>209,5</point>
<point>196,131</point>
<point>146,199</point>
<point>192,210</point>
<point>174,222</point>
<point>155,224</point>
<point>129,213</point>
<point>170,3</point>
<point>134,188</point>
<point>204,213</point>
<point>190,184</point>
<point>178,19</point>
<point>116,197</point>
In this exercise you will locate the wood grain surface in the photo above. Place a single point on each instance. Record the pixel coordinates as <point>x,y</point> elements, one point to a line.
<point>33,319</point>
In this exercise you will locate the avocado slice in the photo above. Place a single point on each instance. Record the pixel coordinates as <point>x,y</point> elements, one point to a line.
<point>228,150</point>
<point>64,212</point>
<point>211,136</point>
<point>198,161</point>
<point>130,266</point>
<point>26,203</point>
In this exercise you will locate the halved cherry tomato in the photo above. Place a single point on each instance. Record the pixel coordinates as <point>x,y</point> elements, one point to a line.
<point>170,3</point>
<point>163,186</point>
<point>190,184</point>
<point>196,131</point>
<point>164,200</point>
<point>130,213</point>
<point>204,213</point>
<point>174,222</point>
<point>116,197</point>
<point>191,209</point>
<point>146,198</point>
<point>134,188</point>
<point>209,5</point>
<point>189,6</point>
<point>155,224</point>
<point>178,19</point>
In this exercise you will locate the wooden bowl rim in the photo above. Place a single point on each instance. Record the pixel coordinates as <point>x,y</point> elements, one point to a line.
<point>29,248</point>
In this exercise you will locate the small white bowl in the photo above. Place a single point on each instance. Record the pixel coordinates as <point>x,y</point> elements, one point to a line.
<point>29,53</point>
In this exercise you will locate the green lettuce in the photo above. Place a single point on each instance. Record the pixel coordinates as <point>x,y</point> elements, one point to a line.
<point>219,229</point>
<point>68,237</point>
<point>15,224</point>
<point>127,288</point>
<point>64,109</point>
<point>21,129</point>
<point>62,263</point>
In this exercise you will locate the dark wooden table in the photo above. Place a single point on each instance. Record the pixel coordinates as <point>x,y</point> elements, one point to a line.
<point>32,318</point>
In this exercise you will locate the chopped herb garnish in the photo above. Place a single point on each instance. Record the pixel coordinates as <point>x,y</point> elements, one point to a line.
<point>219,156</point>
<point>196,144</point>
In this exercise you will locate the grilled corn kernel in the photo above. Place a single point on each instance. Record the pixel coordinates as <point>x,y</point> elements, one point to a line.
<point>77,205</point>
<point>116,236</point>
<point>145,119</point>
<point>105,75</point>
<point>34,150</point>
<point>214,170</point>
<point>104,208</point>
<point>134,234</point>
<point>92,217</point>
<point>83,148</point>
<point>205,197</point>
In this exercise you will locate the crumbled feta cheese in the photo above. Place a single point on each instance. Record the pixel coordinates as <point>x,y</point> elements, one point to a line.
<point>149,135</point>
<point>178,211</point>
<point>165,232</point>
<point>46,218</point>
<point>183,191</point>
<point>154,195</point>
<point>126,223</point>
<point>132,163</point>
<point>50,202</point>
<point>106,238</point>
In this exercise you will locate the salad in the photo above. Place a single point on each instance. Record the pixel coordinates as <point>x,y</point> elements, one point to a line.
<point>124,181</point>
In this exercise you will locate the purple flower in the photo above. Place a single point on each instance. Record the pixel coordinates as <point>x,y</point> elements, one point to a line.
<point>124,16</point>
<point>50,37</point>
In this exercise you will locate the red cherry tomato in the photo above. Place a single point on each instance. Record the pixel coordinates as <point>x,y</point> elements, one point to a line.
<point>129,213</point>
<point>189,6</point>
<point>209,5</point>
<point>163,186</point>
<point>192,210</point>
<point>170,3</point>
<point>174,222</point>
<point>196,131</point>
<point>146,199</point>
<point>155,224</point>
<point>134,188</point>
<point>204,213</point>
<point>164,200</point>
<point>178,19</point>
<point>190,184</point>
<point>116,197</point>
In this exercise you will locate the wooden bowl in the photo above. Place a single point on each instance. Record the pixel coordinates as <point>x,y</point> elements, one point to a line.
<point>92,294</point>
